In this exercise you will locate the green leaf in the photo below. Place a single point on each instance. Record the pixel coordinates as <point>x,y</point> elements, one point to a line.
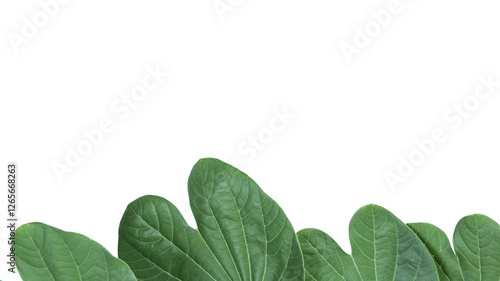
<point>242,233</point>
<point>439,247</point>
<point>383,248</point>
<point>47,253</point>
<point>324,259</point>
<point>477,244</point>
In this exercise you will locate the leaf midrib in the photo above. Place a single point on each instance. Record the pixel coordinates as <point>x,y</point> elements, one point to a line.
<point>187,255</point>
<point>323,257</point>
<point>73,257</point>
<point>43,258</point>
<point>241,222</point>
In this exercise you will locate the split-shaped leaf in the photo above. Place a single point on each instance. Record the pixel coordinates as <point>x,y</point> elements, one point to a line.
<point>383,248</point>
<point>477,245</point>
<point>242,233</point>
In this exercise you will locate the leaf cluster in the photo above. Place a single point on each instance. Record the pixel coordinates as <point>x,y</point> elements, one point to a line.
<point>244,235</point>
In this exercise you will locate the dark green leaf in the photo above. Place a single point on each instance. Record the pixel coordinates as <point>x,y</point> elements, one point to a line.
<point>47,253</point>
<point>477,244</point>
<point>243,234</point>
<point>383,248</point>
<point>439,247</point>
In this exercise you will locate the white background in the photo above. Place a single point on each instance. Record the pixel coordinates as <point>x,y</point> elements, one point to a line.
<point>227,79</point>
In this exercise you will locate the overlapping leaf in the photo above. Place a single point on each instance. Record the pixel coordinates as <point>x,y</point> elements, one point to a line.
<point>477,245</point>
<point>440,248</point>
<point>383,249</point>
<point>242,233</point>
<point>47,253</point>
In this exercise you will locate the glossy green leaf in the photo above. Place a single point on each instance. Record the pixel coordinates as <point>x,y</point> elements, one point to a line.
<point>477,244</point>
<point>242,233</point>
<point>440,248</point>
<point>47,253</point>
<point>383,249</point>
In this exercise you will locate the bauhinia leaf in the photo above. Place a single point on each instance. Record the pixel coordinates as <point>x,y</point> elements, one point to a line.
<point>324,259</point>
<point>477,244</point>
<point>440,248</point>
<point>47,253</point>
<point>383,249</point>
<point>242,233</point>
